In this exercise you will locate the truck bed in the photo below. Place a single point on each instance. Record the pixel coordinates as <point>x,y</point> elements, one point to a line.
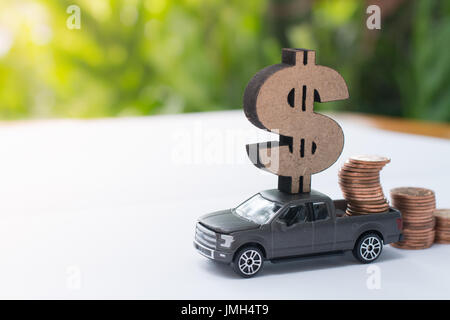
<point>348,228</point>
<point>341,205</point>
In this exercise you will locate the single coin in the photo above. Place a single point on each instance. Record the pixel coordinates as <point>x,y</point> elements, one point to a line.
<point>364,192</point>
<point>355,185</point>
<point>411,238</point>
<point>360,169</point>
<point>416,239</point>
<point>357,179</point>
<point>352,180</point>
<point>413,199</point>
<point>364,165</point>
<point>412,192</point>
<point>367,205</point>
<point>415,213</point>
<point>442,223</point>
<point>362,198</point>
<point>409,219</point>
<point>422,213</point>
<point>417,232</point>
<point>442,241</point>
<point>366,210</point>
<point>364,170</point>
<point>350,183</point>
<point>369,159</point>
<point>418,225</point>
<point>360,186</point>
<point>359,175</point>
<point>377,201</point>
<point>415,205</point>
<point>416,202</point>
<point>442,233</point>
<point>442,213</point>
<point>368,190</point>
<point>361,189</point>
<point>363,186</point>
<point>431,205</point>
<point>428,211</point>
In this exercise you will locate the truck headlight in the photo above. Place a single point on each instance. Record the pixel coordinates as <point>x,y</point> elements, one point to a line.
<point>227,240</point>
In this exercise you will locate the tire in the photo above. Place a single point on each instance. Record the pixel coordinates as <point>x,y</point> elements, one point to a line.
<point>368,248</point>
<point>248,262</point>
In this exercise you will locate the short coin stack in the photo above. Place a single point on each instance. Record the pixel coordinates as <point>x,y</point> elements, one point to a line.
<point>442,225</point>
<point>359,179</point>
<point>417,206</point>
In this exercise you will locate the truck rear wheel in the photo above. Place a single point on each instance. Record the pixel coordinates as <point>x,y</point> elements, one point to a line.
<point>248,262</point>
<point>368,248</point>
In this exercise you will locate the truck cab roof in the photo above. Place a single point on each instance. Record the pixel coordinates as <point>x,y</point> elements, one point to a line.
<point>284,198</point>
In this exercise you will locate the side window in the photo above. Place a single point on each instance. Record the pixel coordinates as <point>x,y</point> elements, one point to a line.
<point>294,215</point>
<point>320,211</point>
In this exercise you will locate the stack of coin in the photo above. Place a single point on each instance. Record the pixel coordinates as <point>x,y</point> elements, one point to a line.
<point>359,179</point>
<point>442,225</point>
<point>417,206</point>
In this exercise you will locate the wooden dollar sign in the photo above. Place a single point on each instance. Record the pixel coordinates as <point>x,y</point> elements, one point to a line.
<point>280,99</point>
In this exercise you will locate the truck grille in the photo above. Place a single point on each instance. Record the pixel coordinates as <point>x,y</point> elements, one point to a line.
<point>205,236</point>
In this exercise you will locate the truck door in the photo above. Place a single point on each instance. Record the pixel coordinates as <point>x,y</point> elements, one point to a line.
<point>292,232</point>
<point>323,225</point>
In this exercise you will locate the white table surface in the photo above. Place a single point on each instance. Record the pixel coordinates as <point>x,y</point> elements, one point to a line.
<point>107,208</point>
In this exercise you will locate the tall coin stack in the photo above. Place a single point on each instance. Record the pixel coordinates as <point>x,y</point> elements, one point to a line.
<point>417,206</point>
<point>442,225</point>
<point>359,179</point>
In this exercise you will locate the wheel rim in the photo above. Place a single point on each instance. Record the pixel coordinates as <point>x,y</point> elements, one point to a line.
<point>250,262</point>
<point>370,248</point>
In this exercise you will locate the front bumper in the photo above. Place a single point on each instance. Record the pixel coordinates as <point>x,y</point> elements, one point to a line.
<point>221,256</point>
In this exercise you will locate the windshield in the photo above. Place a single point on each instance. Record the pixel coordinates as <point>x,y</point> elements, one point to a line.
<point>257,209</point>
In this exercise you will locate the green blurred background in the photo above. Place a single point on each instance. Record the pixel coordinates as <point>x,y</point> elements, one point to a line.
<point>134,57</point>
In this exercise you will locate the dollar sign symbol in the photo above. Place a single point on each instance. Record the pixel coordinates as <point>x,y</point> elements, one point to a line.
<point>280,99</point>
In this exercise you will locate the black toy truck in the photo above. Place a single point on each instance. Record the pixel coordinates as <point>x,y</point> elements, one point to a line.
<point>273,226</point>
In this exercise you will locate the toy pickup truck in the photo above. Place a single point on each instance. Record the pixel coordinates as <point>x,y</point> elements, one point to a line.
<point>276,226</point>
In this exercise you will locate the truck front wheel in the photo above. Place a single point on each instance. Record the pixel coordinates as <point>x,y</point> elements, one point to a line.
<point>248,262</point>
<point>368,248</point>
